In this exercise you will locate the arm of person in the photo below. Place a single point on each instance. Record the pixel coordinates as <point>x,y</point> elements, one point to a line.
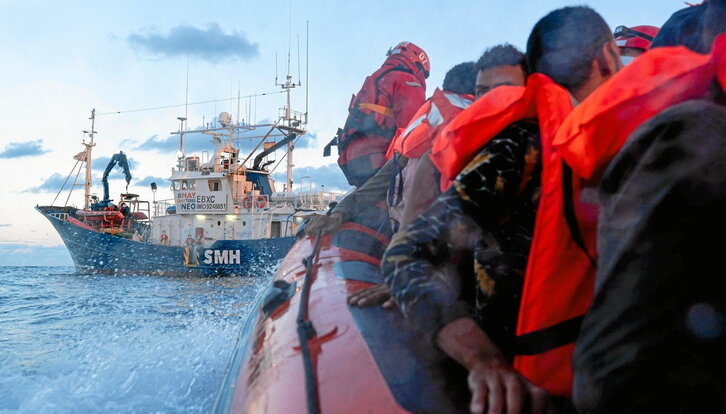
<point>483,193</point>
<point>429,297</point>
<point>371,193</point>
<point>426,184</point>
<point>494,384</point>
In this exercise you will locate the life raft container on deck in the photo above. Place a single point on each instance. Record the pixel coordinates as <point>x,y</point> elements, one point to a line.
<point>106,215</point>
<point>355,360</point>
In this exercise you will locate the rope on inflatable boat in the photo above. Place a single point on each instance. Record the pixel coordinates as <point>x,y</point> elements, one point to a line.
<point>306,331</point>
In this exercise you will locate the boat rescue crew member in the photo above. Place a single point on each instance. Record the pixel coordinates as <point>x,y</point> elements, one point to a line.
<point>164,239</point>
<point>634,41</point>
<point>496,147</point>
<point>386,102</point>
<point>458,86</point>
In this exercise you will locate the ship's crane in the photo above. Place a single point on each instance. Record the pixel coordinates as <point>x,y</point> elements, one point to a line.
<point>120,160</point>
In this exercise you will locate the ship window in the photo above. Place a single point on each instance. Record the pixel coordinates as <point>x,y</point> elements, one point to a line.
<point>188,185</point>
<point>176,185</point>
<point>214,185</point>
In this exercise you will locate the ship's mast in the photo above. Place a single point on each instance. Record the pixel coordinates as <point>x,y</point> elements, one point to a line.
<point>89,146</point>
<point>289,85</point>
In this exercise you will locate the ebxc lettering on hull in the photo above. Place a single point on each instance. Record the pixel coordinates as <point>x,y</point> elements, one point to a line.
<point>222,257</point>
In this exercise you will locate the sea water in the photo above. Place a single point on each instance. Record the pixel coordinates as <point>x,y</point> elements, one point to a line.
<point>77,343</point>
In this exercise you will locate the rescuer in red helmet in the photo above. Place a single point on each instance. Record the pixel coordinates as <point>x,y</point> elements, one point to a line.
<point>386,101</point>
<point>634,41</point>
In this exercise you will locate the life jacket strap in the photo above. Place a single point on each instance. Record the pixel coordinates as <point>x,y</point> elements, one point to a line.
<point>569,211</point>
<point>543,340</point>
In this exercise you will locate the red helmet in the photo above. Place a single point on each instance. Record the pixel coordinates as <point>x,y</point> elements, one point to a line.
<point>638,37</point>
<point>413,54</point>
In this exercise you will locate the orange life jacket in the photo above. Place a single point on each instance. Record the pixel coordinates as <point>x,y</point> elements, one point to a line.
<point>560,272</point>
<point>596,130</point>
<point>432,116</point>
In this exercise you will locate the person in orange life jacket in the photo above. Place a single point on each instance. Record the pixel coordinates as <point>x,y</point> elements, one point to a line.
<point>653,338</point>
<point>490,212</point>
<point>409,147</point>
<point>499,65</point>
<point>375,190</point>
<point>633,41</point>
<point>387,101</point>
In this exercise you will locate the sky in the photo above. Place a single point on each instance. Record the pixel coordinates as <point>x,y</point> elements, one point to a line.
<point>60,60</point>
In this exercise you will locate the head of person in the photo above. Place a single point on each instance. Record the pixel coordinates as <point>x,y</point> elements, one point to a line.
<point>575,48</point>
<point>412,57</point>
<point>500,65</point>
<point>460,79</point>
<point>634,41</point>
<point>694,27</point>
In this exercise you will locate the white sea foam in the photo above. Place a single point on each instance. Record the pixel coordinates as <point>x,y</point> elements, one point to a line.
<point>131,344</point>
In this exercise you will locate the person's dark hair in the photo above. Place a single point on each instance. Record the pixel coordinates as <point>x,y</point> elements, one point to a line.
<point>564,43</point>
<point>694,27</point>
<point>714,22</point>
<point>684,27</point>
<point>460,79</point>
<point>501,55</point>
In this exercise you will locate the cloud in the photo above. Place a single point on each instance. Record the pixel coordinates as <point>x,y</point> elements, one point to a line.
<point>100,164</point>
<point>196,142</point>
<point>23,149</point>
<point>51,184</point>
<point>210,43</point>
<point>309,140</point>
<point>146,181</point>
<point>329,176</point>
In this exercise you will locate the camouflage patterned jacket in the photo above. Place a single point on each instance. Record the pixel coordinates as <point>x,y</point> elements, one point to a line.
<point>487,215</point>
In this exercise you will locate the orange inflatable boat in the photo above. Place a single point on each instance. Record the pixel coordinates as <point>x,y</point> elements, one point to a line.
<point>306,351</point>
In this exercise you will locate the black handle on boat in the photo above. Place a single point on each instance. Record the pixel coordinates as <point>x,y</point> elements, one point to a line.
<point>306,330</point>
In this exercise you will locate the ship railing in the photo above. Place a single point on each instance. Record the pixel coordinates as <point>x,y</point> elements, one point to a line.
<point>161,207</point>
<point>296,120</point>
<point>60,216</point>
<point>317,200</point>
<point>314,200</point>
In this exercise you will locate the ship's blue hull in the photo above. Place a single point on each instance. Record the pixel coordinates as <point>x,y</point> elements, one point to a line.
<point>96,252</point>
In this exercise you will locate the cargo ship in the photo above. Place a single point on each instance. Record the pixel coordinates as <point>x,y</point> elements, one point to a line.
<point>226,216</point>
